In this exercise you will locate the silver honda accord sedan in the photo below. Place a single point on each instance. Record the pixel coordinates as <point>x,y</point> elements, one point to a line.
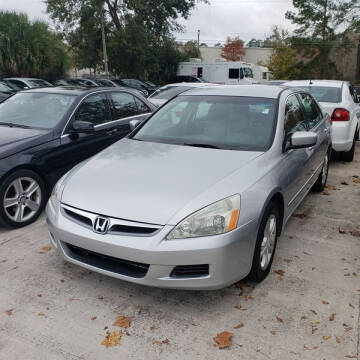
<point>197,195</point>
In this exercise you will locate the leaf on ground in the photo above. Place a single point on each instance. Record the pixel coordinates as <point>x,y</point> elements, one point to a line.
<point>325,192</point>
<point>288,260</point>
<point>356,181</point>
<point>280,272</point>
<point>338,340</point>
<point>313,329</point>
<point>241,284</point>
<point>342,230</point>
<point>248,297</point>
<point>355,232</point>
<point>314,312</point>
<point>326,337</point>
<point>303,317</point>
<point>325,302</point>
<point>4,261</point>
<point>39,295</point>
<point>347,274</point>
<point>62,280</point>
<point>355,176</point>
<point>279,319</point>
<point>238,307</point>
<point>41,314</point>
<point>344,183</point>
<point>314,322</point>
<point>158,343</point>
<point>112,339</point>
<point>241,325</point>
<point>300,216</point>
<point>332,187</point>
<point>94,318</point>
<point>223,339</point>
<point>313,268</point>
<point>153,327</point>
<point>332,317</point>
<point>352,306</point>
<point>46,248</point>
<point>351,356</point>
<point>354,273</point>
<point>9,312</point>
<point>272,332</point>
<point>166,341</point>
<point>122,321</point>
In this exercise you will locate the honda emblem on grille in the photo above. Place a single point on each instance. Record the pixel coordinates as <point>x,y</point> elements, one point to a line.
<point>101,225</point>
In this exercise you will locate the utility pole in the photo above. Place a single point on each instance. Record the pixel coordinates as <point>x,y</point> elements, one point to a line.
<point>104,41</point>
<point>198,40</point>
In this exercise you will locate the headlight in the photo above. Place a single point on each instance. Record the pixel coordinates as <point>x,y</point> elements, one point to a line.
<point>218,218</point>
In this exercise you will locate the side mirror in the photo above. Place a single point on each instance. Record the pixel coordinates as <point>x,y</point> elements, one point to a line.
<point>301,140</point>
<point>134,124</point>
<point>85,127</point>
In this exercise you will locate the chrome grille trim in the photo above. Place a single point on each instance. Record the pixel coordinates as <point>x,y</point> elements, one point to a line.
<point>149,229</point>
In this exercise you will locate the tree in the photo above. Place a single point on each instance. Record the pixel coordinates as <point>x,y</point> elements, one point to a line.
<point>190,50</point>
<point>233,50</point>
<point>255,43</point>
<point>30,49</point>
<point>322,24</point>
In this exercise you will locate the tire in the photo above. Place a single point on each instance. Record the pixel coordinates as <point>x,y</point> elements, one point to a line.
<point>24,193</point>
<point>262,261</point>
<point>320,183</point>
<point>348,156</point>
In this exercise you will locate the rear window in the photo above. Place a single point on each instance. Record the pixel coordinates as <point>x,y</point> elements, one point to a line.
<point>324,93</point>
<point>169,92</point>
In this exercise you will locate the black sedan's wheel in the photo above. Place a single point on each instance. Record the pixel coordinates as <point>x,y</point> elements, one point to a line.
<point>22,198</point>
<point>265,243</point>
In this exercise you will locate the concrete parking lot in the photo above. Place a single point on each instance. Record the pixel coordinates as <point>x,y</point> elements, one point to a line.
<point>308,307</point>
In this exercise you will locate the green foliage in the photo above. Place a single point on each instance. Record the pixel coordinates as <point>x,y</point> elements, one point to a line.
<point>190,50</point>
<point>138,33</point>
<point>30,49</point>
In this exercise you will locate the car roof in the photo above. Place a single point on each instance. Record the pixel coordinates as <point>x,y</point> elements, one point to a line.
<point>253,90</point>
<point>22,78</point>
<point>327,83</point>
<point>75,90</point>
<point>189,84</point>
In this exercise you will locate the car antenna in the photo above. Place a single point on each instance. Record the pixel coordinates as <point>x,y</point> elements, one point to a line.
<point>310,83</point>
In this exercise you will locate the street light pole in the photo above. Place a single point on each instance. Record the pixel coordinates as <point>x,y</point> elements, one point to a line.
<point>198,42</point>
<point>104,42</point>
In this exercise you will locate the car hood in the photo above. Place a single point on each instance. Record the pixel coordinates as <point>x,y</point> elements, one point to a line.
<point>14,139</point>
<point>148,182</point>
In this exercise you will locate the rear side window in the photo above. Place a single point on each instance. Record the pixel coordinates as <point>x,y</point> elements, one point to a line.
<point>294,120</point>
<point>124,105</point>
<point>234,73</point>
<point>312,112</point>
<point>94,109</point>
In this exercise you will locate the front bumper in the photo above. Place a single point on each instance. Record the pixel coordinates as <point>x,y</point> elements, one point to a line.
<point>229,256</point>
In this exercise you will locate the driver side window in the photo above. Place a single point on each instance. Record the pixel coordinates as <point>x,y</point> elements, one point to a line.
<point>294,120</point>
<point>94,109</point>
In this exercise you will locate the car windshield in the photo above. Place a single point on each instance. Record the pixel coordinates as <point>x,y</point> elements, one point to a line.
<point>324,93</point>
<point>35,83</point>
<point>35,110</point>
<point>169,92</point>
<point>225,122</point>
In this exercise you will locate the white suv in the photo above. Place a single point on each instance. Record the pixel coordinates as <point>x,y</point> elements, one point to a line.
<point>339,99</point>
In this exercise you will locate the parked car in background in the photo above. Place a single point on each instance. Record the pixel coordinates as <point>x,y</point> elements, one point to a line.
<point>185,78</point>
<point>139,85</point>
<point>167,92</point>
<point>26,83</point>
<point>197,195</point>
<point>45,132</point>
<point>61,82</point>
<point>339,99</point>
<point>5,91</point>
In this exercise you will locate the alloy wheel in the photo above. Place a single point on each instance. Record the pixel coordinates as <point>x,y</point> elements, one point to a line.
<point>268,242</point>
<point>22,199</point>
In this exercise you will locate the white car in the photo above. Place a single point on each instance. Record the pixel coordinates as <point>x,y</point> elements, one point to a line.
<point>167,92</point>
<point>339,99</point>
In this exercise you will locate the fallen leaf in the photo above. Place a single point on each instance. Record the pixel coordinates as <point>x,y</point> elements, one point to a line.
<point>326,337</point>
<point>332,187</point>
<point>159,343</point>
<point>355,232</point>
<point>153,327</point>
<point>288,260</point>
<point>241,284</point>
<point>279,319</point>
<point>332,317</point>
<point>39,295</point>
<point>342,230</point>
<point>166,341</point>
<point>127,333</point>
<point>338,340</point>
<point>325,192</point>
<point>356,181</point>
<point>112,339</point>
<point>351,356</point>
<point>314,322</point>
<point>94,318</point>
<point>352,306</point>
<point>223,339</point>
<point>238,307</point>
<point>325,302</point>
<point>41,314</point>
<point>280,272</point>
<point>62,280</point>
<point>313,329</point>
<point>46,248</point>
<point>4,261</point>
<point>122,321</point>
<point>300,216</point>
<point>248,297</point>
<point>241,325</point>
<point>303,317</point>
<point>347,274</point>
<point>355,176</point>
<point>344,183</point>
<point>9,312</point>
<point>272,332</point>
<point>314,312</point>
<point>354,274</point>
<point>313,268</point>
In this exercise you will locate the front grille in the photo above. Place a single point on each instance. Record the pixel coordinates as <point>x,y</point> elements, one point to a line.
<point>190,271</point>
<point>108,263</point>
<point>133,229</point>
<point>80,218</point>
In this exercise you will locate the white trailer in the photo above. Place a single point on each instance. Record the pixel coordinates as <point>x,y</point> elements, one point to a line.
<point>224,72</point>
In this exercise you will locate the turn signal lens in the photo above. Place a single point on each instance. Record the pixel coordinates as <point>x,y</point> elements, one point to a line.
<point>233,220</point>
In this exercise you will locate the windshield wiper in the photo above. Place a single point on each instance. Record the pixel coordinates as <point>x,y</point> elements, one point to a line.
<point>209,146</point>
<point>15,125</point>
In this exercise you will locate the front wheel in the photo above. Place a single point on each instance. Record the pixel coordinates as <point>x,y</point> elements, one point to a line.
<point>265,243</point>
<point>320,183</point>
<point>22,198</point>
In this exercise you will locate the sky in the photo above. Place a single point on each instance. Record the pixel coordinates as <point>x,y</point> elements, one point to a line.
<point>244,18</point>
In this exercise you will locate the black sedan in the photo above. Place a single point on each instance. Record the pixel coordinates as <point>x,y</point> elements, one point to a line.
<point>45,132</point>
